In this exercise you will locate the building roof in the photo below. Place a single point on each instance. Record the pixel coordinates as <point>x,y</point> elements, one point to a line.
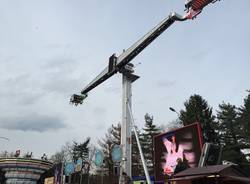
<point>237,178</point>
<point>215,169</point>
<point>226,172</point>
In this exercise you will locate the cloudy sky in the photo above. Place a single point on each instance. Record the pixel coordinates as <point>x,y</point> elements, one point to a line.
<point>52,49</point>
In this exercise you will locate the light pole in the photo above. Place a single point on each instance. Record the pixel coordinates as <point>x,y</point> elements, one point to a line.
<point>178,120</point>
<point>173,110</point>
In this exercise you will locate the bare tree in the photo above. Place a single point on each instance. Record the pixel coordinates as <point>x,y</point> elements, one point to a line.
<point>64,155</point>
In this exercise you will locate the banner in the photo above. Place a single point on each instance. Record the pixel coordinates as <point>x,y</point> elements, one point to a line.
<point>69,168</point>
<point>58,173</point>
<point>184,143</point>
<point>99,158</point>
<point>49,180</point>
<point>78,166</point>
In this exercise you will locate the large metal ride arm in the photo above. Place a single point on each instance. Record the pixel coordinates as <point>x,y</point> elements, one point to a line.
<point>117,64</point>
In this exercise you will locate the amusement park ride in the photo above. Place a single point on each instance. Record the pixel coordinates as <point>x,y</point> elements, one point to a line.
<point>122,64</point>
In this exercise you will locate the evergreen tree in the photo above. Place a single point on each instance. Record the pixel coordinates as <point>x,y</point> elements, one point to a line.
<point>115,133</point>
<point>198,110</point>
<point>230,133</point>
<point>147,136</point>
<point>137,168</point>
<point>81,150</point>
<point>244,119</point>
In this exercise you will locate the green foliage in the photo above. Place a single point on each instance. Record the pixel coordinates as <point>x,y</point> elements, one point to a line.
<point>244,118</point>
<point>148,133</point>
<point>198,110</point>
<point>81,150</point>
<point>233,155</point>
<point>228,127</point>
<point>233,127</point>
<point>230,131</point>
<point>115,133</point>
<point>137,168</point>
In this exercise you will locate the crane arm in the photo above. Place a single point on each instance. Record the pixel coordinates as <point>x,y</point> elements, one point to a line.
<point>116,64</point>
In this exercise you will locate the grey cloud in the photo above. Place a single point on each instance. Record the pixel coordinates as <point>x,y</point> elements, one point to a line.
<point>99,118</point>
<point>99,110</point>
<point>100,126</point>
<point>61,63</point>
<point>57,77</point>
<point>61,76</point>
<point>62,85</point>
<point>20,89</point>
<point>165,83</point>
<point>32,122</point>
<point>114,90</point>
<point>16,81</point>
<point>200,55</point>
<point>163,98</point>
<point>21,98</point>
<point>7,59</point>
<point>29,99</point>
<point>56,46</point>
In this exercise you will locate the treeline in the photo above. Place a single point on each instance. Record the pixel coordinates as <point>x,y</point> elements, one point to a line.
<point>229,127</point>
<point>113,137</point>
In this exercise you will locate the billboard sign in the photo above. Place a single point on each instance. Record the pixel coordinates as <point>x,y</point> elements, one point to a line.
<point>69,168</point>
<point>78,166</point>
<point>49,180</point>
<point>99,158</point>
<point>184,143</point>
<point>116,153</point>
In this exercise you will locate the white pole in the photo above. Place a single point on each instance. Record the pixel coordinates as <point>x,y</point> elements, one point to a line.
<point>139,146</point>
<point>127,79</point>
<point>126,127</point>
